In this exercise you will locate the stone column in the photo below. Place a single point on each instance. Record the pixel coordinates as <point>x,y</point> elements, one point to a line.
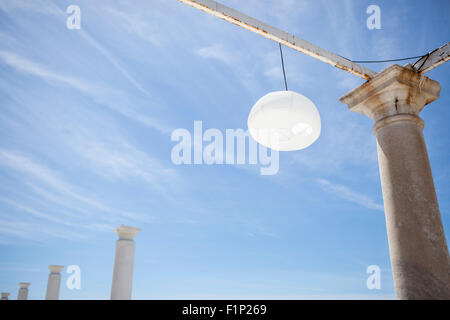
<point>418,249</point>
<point>53,284</point>
<point>5,295</point>
<point>123,263</point>
<point>23,291</point>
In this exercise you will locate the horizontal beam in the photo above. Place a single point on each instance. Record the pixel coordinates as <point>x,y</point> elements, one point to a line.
<point>265,30</point>
<point>433,59</point>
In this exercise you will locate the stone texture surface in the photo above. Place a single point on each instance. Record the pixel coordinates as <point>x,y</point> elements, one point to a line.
<point>126,232</point>
<point>54,282</point>
<point>419,254</point>
<point>23,291</point>
<point>123,263</point>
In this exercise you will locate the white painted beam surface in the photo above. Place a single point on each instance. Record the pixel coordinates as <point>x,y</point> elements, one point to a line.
<point>265,30</point>
<point>433,59</point>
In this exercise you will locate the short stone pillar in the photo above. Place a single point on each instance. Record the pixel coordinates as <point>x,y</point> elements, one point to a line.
<point>54,281</point>
<point>123,263</point>
<point>23,291</point>
<point>418,249</point>
<point>5,295</point>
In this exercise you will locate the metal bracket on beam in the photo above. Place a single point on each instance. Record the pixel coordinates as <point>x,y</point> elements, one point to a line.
<point>432,59</point>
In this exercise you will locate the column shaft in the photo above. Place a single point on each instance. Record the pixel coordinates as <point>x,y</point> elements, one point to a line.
<point>123,263</point>
<point>123,270</point>
<point>23,291</point>
<point>54,281</point>
<point>418,249</point>
<point>23,294</point>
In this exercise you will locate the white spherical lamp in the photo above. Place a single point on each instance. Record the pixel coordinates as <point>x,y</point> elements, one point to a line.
<point>284,121</point>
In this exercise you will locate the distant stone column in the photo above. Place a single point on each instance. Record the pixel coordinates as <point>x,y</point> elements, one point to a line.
<point>53,284</point>
<point>123,263</point>
<point>23,291</point>
<point>5,295</point>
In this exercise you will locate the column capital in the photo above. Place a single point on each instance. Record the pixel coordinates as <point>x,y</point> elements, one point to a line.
<point>126,232</point>
<point>55,268</point>
<point>394,91</point>
<point>24,285</point>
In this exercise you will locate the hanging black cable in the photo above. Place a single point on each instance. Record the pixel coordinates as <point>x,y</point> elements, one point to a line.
<point>282,65</point>
<point>381,61</point>
<point>425,60</point>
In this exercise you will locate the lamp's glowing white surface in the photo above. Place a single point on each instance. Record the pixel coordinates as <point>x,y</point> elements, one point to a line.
<point>284,121</point>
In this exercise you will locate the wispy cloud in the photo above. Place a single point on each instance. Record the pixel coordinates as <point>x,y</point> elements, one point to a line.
<point>21,269</point>
<point>27,230</point>
<point>235,60</point>
<point>48,196</point>
<point>137,25</point>
<point>49,8</point>
<point>113,61</point>
<point>344,143</point>
<point>67,195</point>
<point>216,51</point>
<point>41,6</point>
<point>31,67</point>
<point>43,175</point>
<point>253,226</point>
<point>296,74</point>
<point>114,158</point>
<point>349,195</point>
<point>29,167</point>
<point>114,99</point>
<point>31,211</point>
<point>52,218</point>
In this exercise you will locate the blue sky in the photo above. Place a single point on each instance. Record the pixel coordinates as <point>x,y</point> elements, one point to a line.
<point>85,123</point>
